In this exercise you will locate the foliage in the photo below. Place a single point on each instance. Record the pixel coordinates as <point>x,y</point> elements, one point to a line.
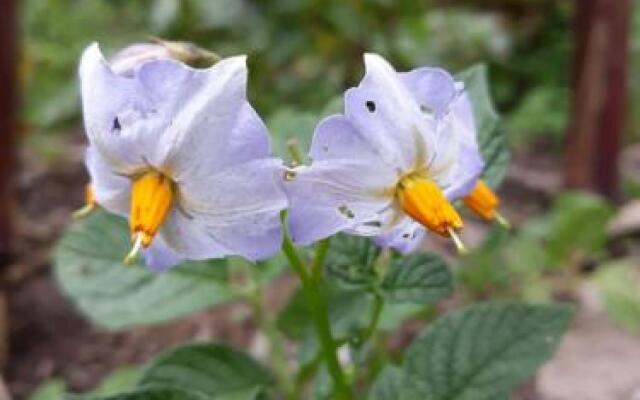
<point>89,268</point>
<point>303,52</point>
<point>352,295</point>
<point>618,285</point>
<point>544,255</point>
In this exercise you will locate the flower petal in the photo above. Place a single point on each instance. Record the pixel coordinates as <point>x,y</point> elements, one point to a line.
<point>383,110</point>
<point>405,237</point>
<point>112,191</point>
<point>236,211</point>
<point>468,169</point>
<point>334,195</point>
<point>336,138</point>
<point>433,88</point>
<point>463,120</point>
<point>160,257</point>
<point>217,127</point>
<point>128,60</point>
<point>168,115</point>
<point>458,163</point>
<point>122,122</point>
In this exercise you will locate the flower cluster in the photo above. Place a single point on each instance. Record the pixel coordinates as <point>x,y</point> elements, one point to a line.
<point>181,153</point>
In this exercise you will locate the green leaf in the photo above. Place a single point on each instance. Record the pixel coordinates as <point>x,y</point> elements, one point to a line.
<point>577,223</point>
<point>349,313</point>
<point>394,314</point>
<point>215,370</point>
<point>350,261</point>
<point>290,125</point>
<point>418,278</point>
<point>484,350</point>
<point>618,284</point>
<point>53,389</point>
<point>120,380</point>
<point>388,385</point>
<point>151,394</point>
<point>89,269</point>
<point>491,137</point>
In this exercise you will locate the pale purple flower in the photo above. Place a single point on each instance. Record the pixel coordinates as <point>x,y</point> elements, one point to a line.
<point>196,131</point>
<point>395,125</point>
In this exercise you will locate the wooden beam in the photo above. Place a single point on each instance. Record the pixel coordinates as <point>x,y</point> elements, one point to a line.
<point>599,95</point>
<point>8,124</point>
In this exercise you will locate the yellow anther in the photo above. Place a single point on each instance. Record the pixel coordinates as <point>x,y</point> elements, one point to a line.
<point>89,203</point>
<point>151,199</point>
<point>482,201</point>
<point>423,201</point>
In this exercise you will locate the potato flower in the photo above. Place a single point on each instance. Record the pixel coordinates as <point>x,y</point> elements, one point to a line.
<point>182,154</point>
<point>392,165</point>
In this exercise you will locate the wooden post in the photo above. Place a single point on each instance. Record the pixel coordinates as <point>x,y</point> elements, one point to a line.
<point>599,88</point>
<point>8,123</point>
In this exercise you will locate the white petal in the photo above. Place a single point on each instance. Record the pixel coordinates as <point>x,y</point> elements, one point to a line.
<point>334,195</point>
<point>170,116</point>
<point>121,121</point>
<point>433,88</point>
<point>458,162</point>
<point>406,237</point>
<point>382,109</point>
<point>336,138</point>
<point>112,191</point>
<point>159,257</point>
<point>217,127</point>
<point>236,211</point>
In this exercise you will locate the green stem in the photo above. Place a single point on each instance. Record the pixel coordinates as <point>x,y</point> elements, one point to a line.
<point>313,287</point>
<point>378,305</point>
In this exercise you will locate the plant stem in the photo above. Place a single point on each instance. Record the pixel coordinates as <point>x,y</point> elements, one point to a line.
<point>313,287</point>
<point>378,305</point>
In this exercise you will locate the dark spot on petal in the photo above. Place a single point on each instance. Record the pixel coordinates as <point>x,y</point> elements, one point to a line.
<point>406,235</point>
<point>344,210</point>
<point>325,148</point>
<point>115,127</point>
<point>425,109</point>
<point>374,224</point>
<point>290,175</point>
<point>371,106</point>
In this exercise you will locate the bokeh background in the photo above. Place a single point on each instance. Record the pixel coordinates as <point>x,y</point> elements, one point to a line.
<point>565,122</point>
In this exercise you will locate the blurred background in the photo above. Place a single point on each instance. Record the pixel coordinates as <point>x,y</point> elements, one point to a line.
<point>562,74</point>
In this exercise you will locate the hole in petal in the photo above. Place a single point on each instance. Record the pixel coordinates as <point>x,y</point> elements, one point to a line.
<point>371,106</point>
<point>290,175</point>
<point>344,210</point>
<point>115,127</point>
